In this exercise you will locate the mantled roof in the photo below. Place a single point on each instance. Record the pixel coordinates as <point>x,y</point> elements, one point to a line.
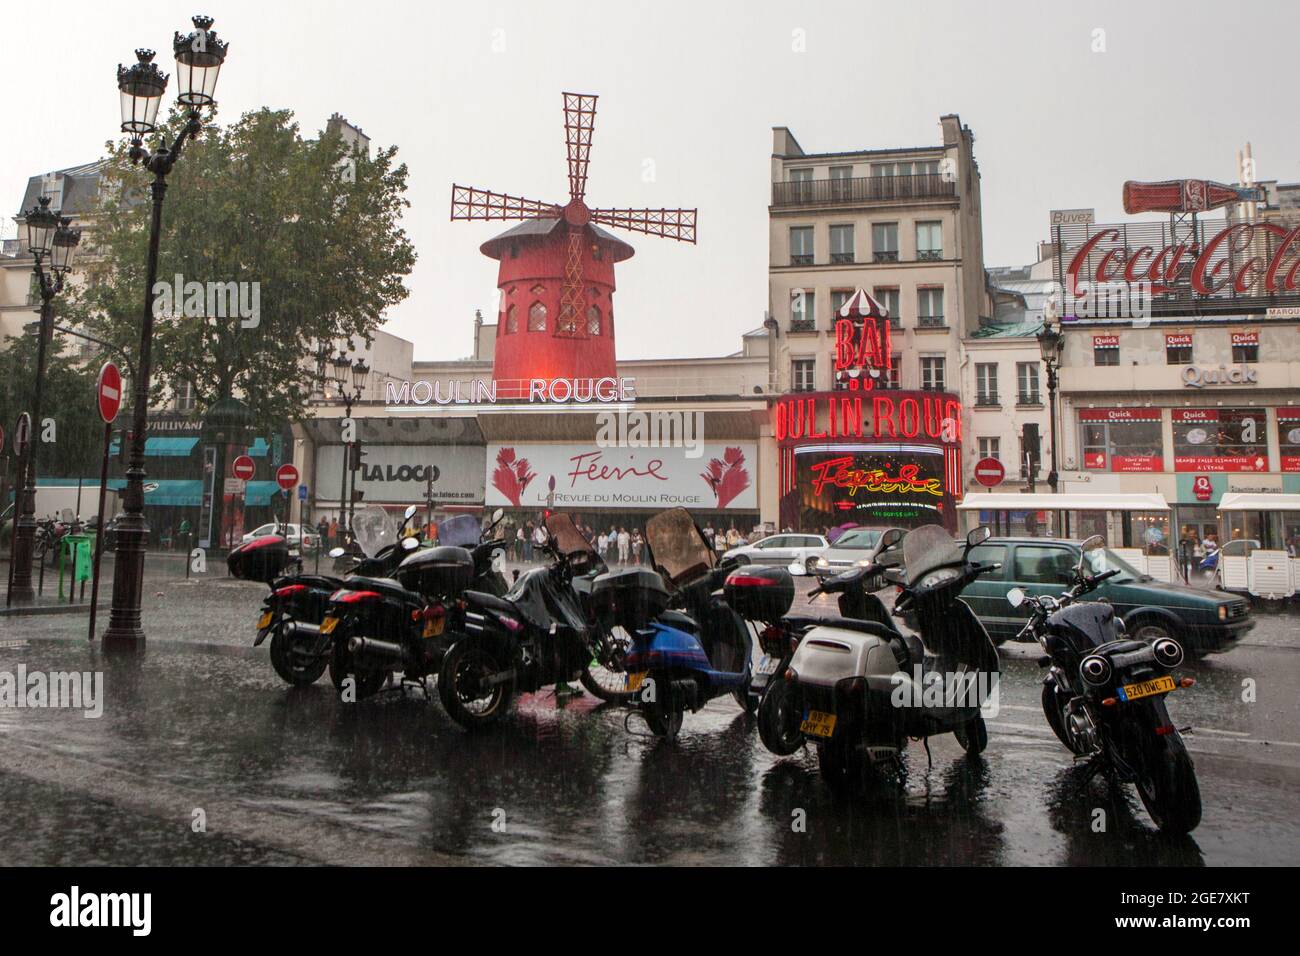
<point>80,187</point>
<point>544,227</point>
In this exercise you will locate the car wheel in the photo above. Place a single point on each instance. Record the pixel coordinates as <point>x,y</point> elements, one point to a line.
<point>1150,631</point>
<point>742,560</point>
<point>810,565</point>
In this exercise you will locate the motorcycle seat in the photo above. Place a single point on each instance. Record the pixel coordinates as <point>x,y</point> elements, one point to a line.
<point>481,600</point>
<point>680,621</point>
<point>907,648</point>
<point>385,586</point>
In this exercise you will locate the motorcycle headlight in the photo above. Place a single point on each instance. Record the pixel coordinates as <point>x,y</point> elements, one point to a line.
<point>938,577</point>
<point>1095,669</point>
<point>1168,652</point>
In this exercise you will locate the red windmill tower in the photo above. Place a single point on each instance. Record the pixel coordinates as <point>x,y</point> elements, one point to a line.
<point>557,269</point>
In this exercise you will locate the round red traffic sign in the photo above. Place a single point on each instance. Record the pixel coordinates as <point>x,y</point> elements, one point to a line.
<point>108,392</point>
<point>286,476</point>
<point>989,472</point>
<point>243,468</point>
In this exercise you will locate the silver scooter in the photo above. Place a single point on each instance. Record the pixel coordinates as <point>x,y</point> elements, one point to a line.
<point>865,686</point>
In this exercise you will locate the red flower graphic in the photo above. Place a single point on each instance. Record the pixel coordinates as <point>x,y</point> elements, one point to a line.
<point>511,475</point>
<point>727,476</point>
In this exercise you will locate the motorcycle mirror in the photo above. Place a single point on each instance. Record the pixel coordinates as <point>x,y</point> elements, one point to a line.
<point>978,536</point>
<point>1015,597</point>
<point>337,552</point>
<point>409,513</point>
<point>797,569</point>
<point>1096,542</point>
<point>410,544</point>
<point>498,515</point>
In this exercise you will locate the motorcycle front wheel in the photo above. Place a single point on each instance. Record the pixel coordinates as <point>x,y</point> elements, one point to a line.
<point>605,676</point>
<point>460,686</point>
<point>779,717</point>
<point>973,736</point>
<point>291,657</point>
<point>1054,711</point>
<point>663,712</point>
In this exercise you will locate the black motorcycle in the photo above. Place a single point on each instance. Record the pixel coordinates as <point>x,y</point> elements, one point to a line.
<point>380,624</point>
<point>1104,694</point>
<point>541,632</point>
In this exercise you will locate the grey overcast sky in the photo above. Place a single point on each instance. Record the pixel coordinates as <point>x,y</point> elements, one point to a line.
<point>470,92</point>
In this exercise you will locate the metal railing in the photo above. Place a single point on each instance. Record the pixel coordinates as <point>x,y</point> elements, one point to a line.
<point>862,189</point>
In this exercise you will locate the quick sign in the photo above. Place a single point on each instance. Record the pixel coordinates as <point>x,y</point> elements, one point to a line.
<point>1196,377</point>
<point>527,475</point>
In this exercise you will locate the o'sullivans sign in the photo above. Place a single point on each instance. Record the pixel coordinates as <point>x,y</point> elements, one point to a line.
<point>536,391</point>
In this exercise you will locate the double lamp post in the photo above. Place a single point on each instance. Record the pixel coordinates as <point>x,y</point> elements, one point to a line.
<point>337,372</point>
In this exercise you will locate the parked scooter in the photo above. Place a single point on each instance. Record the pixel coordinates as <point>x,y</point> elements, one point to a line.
<point>688,644</point>
<point>779,716</point>
<point>1104,694</point>
<point>404,622</point>
<point>865,687</point>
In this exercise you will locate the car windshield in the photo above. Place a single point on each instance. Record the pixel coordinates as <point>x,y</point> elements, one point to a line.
<point>927,548</point>
<point>1104,559</point>
<point>863,540</point>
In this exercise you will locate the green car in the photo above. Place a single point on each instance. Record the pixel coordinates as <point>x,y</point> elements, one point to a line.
<point>1204,622</point>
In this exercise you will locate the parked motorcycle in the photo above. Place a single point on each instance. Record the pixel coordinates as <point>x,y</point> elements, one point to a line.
<point>1104,694</point>
<point>779,716</point>
<point>864,687</point>
<point>688,645</point>
<point>378,624</point>
<point>540,632</point>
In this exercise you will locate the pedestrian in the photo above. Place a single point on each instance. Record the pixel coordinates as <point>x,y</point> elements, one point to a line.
<point>624,545</point>
<point>529,528</point>
<point>540,537</point>
<point>519,543</point>
<point>334,531</point>
<point>602,545</point>
<point>636,547</point>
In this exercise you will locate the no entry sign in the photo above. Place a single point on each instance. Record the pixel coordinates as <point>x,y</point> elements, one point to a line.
<point>108,392</point>
<point>989,472</point>
<point>243,468</point>
<point>286,476</point>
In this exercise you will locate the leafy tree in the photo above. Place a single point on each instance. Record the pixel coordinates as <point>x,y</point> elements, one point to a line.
<point>314,224</point>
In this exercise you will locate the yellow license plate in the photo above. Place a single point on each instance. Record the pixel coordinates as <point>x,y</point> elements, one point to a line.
<point>327,626</point>
<point>818,723</point>
<point>264,620</point>
<point>1146,688</point>
<point>634,681</point>
<point>433,626</point>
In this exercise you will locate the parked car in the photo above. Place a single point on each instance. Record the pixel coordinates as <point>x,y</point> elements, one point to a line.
<point>780,549</point>
<point>847,550</point>
<point>292,533</point>
<point>1204,621</point>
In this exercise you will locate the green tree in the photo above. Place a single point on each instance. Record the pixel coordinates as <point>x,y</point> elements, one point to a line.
<point>315,224</point>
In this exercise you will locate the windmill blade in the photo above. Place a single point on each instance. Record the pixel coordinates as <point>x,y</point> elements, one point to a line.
<point>573,300</point>
<point>470,203</point>
<point>579,119</point>
<point>672,223</point>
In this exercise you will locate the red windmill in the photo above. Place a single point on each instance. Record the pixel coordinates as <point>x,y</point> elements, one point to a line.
<point>557,269</point>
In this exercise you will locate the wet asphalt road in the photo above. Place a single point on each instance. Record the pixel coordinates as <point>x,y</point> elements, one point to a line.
<point>202,729</point>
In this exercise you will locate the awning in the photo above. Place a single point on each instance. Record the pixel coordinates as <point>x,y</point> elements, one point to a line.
<point>180,493</point>
<point>1258,501</point>
<point>168,447</point>
<point>975,501</point>
<point>259,448</point>
<point>260,492</point>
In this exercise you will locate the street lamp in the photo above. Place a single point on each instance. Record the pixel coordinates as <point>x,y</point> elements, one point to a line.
<point>199,56</point>
<point>1050,342</point>
<point>358,371</point>
<point>49,237</point>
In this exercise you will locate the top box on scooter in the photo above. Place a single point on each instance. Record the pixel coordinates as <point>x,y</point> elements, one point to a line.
<point>261,559</point>
<point>630,598</point>
<point>438,572</point>
<point>760,594</point>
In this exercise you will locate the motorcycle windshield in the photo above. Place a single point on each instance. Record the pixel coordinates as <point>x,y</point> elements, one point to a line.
<point>678,546</point>
<point>927,548</point>
<point>568,539</point>
<point>373,528</point>
<point>462,531</point>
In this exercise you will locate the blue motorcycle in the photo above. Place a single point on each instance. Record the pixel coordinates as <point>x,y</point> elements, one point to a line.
<point>688,645</point>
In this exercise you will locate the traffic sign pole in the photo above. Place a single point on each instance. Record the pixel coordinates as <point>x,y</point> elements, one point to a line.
<point>108,399</point>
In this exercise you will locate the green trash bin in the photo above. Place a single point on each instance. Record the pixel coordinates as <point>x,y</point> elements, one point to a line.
<point>77,549</point>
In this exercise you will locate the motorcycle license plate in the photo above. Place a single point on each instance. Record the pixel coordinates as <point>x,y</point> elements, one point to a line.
<point>1146,688</point>
<point>327,626</point>
<point>818,723</point>
<point>634,681</point>
<point>433,627</point>
<point>264,621</point>
<point>767,666</point>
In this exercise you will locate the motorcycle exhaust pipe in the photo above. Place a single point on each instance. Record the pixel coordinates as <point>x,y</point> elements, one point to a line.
<point>376,651</point>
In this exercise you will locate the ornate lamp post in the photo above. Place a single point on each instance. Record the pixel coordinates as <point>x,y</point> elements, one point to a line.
<point>344,367</point>
<point>199,56</point>
<point>49,237</point>
<point>1050,342</point>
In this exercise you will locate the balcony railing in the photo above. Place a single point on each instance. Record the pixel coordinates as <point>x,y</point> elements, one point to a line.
<point>841,258</point>
<point>1029,398</point>
<point>862,189</point>
<point>986,400</point>
<point>890,256</point>
<point>929,255</point>
<point>801,260</point>
<point>803,325</point>
<point>929,322</point>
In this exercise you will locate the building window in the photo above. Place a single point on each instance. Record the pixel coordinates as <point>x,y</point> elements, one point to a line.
<point>991,448</point>
<point>1242,354</point>
<point>801,175</point>
<point>537,289</point>
<point>929,241</point>
<point>802,372</point>
<point>1179,353</point>
<point>1105,354</point>
<point>929,308</point>
<point>884,242</point>
<point>1121,439</point>
<point>803,189</point>
<point>895,377</point>
<point>888,297</point>
<point>838,298</point>
<point>1027,384</point>
<point>801,245</point>
<point>803,314</point>
<point>841,244</point>
<point>593,321</point>
<point>537,317</point>
<point>841,182</point>
<point>185,397</point>
<point>932,373</point>
<point>986,384</point>
<point>512,320</point>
